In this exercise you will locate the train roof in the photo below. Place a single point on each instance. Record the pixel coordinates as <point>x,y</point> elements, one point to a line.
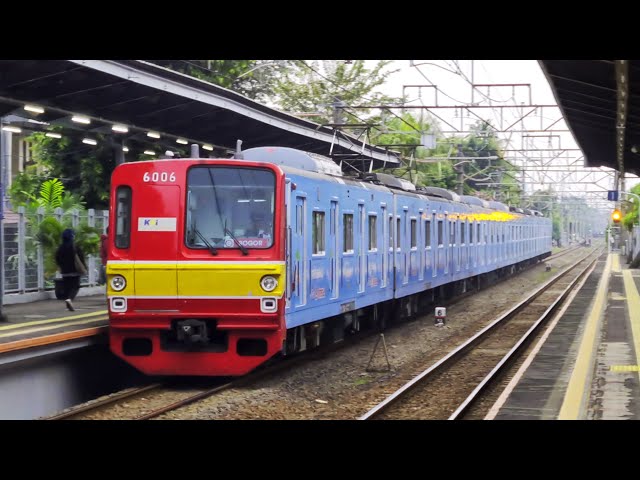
<point>441,192</point>
<point>471,200</point>
<point>291,157</point>
<point>498,206</point>
<point>314,163</point>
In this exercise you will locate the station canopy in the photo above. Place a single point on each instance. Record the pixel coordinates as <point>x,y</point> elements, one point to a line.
<point>590,95</point>
<point>145,97</point>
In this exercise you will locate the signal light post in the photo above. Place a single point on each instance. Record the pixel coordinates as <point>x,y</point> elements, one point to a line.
<point>616,216</point>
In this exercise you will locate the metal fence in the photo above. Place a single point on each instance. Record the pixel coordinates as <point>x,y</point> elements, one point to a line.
<point>23,256</point>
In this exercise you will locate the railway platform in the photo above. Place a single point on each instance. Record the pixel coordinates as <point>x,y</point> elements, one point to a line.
<point>586,364</point>
<point>49,321</point>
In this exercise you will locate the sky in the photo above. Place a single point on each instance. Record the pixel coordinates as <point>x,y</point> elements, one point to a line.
<point>453,80</point>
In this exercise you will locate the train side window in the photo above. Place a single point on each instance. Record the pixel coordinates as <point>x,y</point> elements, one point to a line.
<point>373,232</point>
<point>427,233</point>
<point>440,239</point>
<point>390,232</point>
<point>414,233</point>
<point>452,232</point>
<point>471,232</point>
<point>317,234</point>
<point>399,233</point>
<point>123,217</point>
<point>462,232</point>
<point>299,219</point>
<point>347,243</point>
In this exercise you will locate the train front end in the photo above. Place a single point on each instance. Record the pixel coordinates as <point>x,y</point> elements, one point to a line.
<point>196,270</point>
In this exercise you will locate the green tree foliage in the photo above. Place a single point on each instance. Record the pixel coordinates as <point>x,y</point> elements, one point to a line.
<point>48,233</point>
<point>481,173</point>
<point>631,209</point>
<point>84,170</point>
<point>316,87</point>
<point>254,79</point>
<point>400,133</point>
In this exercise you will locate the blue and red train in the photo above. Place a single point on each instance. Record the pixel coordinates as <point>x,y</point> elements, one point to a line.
<point>215,266</point>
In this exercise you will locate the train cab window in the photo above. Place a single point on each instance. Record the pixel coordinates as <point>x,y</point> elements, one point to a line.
<point>462,232</point>
<point>347,235</point>
<point>399,231</point>
<point>414,233</point>
<point>228,207</point>
<point>390,232</point>
<point>427,234</point>
<point>373,232</point>
<point>440,228</point>
<point>123,217</point>
<point>452,233</point>
<point>317,234</point>
<point>471,232</point>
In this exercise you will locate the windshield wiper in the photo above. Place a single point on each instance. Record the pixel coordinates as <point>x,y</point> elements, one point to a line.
<point>243,249</point>
<point>212,249</point>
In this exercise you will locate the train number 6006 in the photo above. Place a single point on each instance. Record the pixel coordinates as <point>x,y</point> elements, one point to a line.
<point>159,177</point>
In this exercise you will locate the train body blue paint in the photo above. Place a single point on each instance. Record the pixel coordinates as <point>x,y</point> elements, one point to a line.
<point>357,243</point>
<point>218,265</point>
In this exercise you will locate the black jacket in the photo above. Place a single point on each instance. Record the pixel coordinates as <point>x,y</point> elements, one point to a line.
<point>65,258</point>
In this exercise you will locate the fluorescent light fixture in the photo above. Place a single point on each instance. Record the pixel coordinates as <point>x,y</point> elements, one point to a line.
<point>120,128</point>
<point>153,134</point>
<point>243,200</point>
<point>52,135</point>
<point>125,149</point>
<point>257,200</point>
<point>149,152</point>
<point>80,119</point>
<point>207,147</point>
<point>11,129</point>
<point>89,141</point>
<point>31,120</point>
<point>34,108</point>
<point>181,141</point>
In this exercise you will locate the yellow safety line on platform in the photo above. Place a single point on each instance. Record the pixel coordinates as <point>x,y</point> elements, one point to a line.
<point>633,301</point>
<point>52,327</point>
<point>52,320</point>
<point>624,368</point>
<point>51,339</point>
<point>576,389</point>
<point>615,266</point>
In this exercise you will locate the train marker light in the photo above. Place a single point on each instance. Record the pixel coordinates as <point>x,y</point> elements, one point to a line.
<point>616,216</point>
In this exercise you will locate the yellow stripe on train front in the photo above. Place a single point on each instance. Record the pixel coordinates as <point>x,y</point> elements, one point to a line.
<point>198,279</point>
<point>236,280</point>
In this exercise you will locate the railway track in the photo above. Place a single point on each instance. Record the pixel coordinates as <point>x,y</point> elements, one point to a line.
<point>160,398</point>
<point>449,387</point>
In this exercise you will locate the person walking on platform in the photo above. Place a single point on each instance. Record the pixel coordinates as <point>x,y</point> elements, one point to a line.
<point>72,266</point>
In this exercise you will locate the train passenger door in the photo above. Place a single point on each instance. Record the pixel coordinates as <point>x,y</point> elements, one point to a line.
<point>372,255</point>
<point>299,254</point>
<point>400,257</point>
<point>390,250</point>
<point>334,250</point>
<point>384,246</point>
<point>362,254</point>
<point>422,242</point>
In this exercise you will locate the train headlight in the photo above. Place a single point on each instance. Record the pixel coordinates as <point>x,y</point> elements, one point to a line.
<point>268,283</point>
<point>118,283</point>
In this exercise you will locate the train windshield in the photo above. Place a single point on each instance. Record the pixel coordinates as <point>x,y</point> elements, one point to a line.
<point>227,206</point>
